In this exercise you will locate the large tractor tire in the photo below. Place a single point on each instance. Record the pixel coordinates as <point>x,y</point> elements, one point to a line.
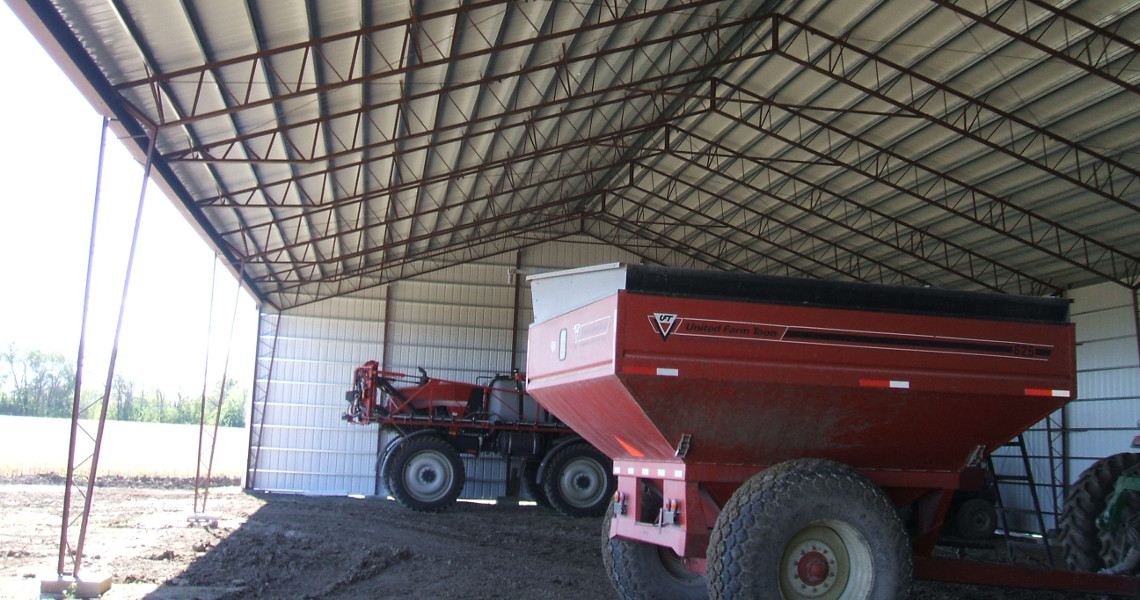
<point>425,474</point>
<point>1085,546</point>
<point>809,529</point>
<point>640,571</point>
<point>578,481</point>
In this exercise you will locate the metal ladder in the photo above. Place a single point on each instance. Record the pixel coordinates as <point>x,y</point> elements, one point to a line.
<point>1025,478</point>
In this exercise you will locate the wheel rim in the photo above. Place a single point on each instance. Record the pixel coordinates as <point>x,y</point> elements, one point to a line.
<point>676,567</point>
<point>1115,545</point>
<point>582,482</point>
<point>428,476</point>
<point>827,560</point>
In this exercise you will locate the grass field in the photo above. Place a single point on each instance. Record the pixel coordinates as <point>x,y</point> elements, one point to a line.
<point>31,445</point>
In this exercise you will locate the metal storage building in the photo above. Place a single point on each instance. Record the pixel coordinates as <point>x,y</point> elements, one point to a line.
<point>380,174</point>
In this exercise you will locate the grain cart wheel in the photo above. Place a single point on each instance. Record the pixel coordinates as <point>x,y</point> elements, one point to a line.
<point>640,571</point>
<point>1085,546</point>
<point>809,529</point>
<point>976,519</point>
<point>426,474</point>
<point>578,480</point>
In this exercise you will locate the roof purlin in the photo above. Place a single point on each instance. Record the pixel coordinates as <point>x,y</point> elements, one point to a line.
<point>982,208</point>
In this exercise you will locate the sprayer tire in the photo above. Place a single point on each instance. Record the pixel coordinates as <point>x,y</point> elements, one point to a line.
<point>1081,540</point>
<point>426,474</point>
<point>809,528</point>
<point>531,485</point>
<point>579,481</point>
<point>640,571</point>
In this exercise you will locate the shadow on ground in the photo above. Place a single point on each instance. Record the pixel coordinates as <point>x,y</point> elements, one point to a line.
<point>308,547</point>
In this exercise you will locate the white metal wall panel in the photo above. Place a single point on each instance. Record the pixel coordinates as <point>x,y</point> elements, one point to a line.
<point>1101,421</point>
<point>461,323</point>
<point>302,444</point>
<point>457,323</point>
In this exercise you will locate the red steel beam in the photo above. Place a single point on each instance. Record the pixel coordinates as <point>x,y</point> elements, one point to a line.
<point>687,221</point>
<point>241,100</point>
<point>1000,575</point>
<point>944,191</point>
<point>791,238</point>
<point>1087,46</point>
<point>959,112</point>
<point>877,225</point>
<point>474,248</point>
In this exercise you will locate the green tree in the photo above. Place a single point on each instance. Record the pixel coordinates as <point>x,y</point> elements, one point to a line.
<point>36,383</point>
<point>40,384</point>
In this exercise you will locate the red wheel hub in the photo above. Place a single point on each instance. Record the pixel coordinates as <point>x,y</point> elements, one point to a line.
<point>812,568</point>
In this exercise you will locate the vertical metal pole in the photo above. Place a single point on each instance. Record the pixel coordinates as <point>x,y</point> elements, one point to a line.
<point>114,355</point>
<point>205,379</point>
<point>256,418</point>
<point>515,326</point>
<point>387,326</point>
<point>75,403</point>
<point>221,399</point>
<point>516,311</point>
<point>381,487</point>
<point>1136,316</point>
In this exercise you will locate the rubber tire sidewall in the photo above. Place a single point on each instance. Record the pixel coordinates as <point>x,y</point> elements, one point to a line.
<point>552,476</point>
<point>637,573</point>
<point>967,523</point>
<point>764,515</point>
<point>408,451</point>
<point>529,480</point>
<point>1085,500</point>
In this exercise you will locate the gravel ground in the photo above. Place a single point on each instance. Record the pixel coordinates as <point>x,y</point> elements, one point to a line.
<point>285,546</point>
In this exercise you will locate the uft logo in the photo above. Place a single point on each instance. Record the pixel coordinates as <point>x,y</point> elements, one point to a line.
<point>664,323</point>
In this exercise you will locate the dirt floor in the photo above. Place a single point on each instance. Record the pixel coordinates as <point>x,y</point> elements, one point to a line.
<point>298,547</point>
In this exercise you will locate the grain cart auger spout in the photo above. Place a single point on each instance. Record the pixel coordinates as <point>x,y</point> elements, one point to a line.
<point>767,432</point>
<point>435,423</point>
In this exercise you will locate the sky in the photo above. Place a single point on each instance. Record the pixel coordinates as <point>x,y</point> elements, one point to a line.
<point>49,159</point>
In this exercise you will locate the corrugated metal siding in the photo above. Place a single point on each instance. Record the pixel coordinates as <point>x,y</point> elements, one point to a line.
<point>1102,421</point>
<point>1103,418</point>
<point>457,323</point>
<point>302,445</point>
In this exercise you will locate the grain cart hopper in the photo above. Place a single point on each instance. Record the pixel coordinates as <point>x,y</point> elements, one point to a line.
<point>767,432</point>
<point>435,421</point>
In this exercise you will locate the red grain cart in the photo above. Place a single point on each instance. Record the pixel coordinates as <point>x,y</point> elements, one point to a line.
<point>766,430</point>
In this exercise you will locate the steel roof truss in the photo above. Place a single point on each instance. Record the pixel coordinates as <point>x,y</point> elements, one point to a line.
<point>874,224</point>
<point>968,116</point>
<point>956,197</point>
<point>1095,49</point>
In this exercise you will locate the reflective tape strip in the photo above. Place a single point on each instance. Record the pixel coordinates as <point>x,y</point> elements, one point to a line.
<point>885,383</point>
<point>661,371</point>
<point>1048,393</point>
